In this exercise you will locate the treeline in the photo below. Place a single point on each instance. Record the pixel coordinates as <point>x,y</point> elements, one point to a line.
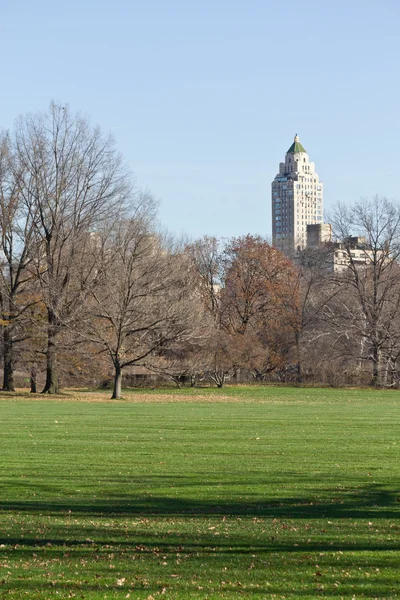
<point>90,287</point>
<point>328,314</point>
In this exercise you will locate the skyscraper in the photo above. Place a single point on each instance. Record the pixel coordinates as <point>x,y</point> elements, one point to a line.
<point>297,197</point>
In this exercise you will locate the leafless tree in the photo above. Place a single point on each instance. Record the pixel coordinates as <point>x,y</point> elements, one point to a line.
<point>206,257</point>
<point>71,179</point>
<point>372,276</point>
<point>315,289</point>
<point>143,304</point>
<point>16,229</point>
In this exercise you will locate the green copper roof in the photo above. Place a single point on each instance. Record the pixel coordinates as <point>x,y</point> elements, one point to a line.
<point>296,146</point>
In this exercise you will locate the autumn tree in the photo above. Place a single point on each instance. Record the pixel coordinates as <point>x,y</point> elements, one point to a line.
<point>249,290</point>
<point>256,303</point>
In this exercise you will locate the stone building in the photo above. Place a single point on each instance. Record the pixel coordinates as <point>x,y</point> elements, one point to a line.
<point>297,199</point>
<point>337,255</point>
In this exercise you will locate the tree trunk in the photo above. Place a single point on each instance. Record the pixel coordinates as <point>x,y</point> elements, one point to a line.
<point>8,361</point>
<point>177,381</point>
<point>375,366</point>
<point>51,385</point>
<point>117,382</point>
<point>235,374</point>
<point>299,375</point>
<point>33,379</point>
<point>219,378</point>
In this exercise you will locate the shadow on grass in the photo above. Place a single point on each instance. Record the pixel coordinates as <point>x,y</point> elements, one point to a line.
<point>144,544</point>
<point>146,551</point>
<point>363,502</point>
<point>220,564</point>
<point>48,590</point>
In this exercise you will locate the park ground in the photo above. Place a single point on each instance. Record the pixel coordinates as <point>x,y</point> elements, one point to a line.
<point>246,492</point>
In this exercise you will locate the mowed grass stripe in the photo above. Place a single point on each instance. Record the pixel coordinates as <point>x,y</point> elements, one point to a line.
<point>294,494</point>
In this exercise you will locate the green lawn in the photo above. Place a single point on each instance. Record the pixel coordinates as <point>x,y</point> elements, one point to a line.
<point>232,493</point>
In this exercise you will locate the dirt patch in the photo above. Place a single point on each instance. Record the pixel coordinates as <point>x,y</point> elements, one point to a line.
<point>134,398</point>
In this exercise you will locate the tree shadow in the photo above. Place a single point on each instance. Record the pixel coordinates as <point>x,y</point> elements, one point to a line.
<point>272,538</point>
<point>363,502</point>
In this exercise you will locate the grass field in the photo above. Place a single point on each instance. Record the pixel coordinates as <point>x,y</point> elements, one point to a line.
<point>232,493</point>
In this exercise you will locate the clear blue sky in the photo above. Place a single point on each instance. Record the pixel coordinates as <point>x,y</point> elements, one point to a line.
<point>204,97</point>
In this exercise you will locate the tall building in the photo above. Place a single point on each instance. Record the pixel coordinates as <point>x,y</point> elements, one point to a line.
<point>297,196</point>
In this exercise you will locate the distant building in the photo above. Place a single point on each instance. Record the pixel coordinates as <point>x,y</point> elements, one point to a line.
<point>338,256</point>
<point>297,214</point>
<point>318,235</point>
<point>297,199</point>
<point>354,250</point>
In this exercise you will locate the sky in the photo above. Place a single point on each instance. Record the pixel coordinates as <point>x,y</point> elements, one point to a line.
<point>204,98</point>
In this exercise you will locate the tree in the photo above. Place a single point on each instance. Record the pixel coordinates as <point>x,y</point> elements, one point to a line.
<point>70,180</point>
<point>372,277</point>
<point>256,303</point>
<point>313,290</point>
<point>206,260</point>
<point>143,304</point>
<point>216,359</point>
<point>249,290</point>
<point>16,230</point>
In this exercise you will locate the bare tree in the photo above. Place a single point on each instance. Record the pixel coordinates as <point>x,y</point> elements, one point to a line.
<point>216,359</point>
<point>143,305</point>
<point>71,179</point>
<point>369,236</point>
<point>314,289</point>
<point>16,230</point>
<point>206,257</point>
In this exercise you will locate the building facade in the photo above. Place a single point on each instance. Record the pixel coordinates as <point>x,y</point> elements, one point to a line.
<point>338,256</point>
<point>297,199</point>
<point>319,235</point>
